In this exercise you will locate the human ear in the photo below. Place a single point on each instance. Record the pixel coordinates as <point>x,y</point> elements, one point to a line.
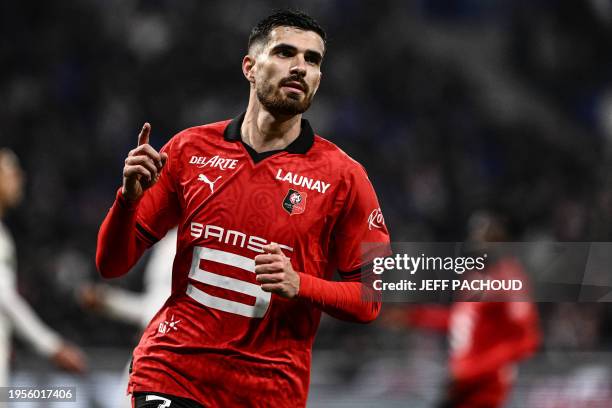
<point>248,68</point>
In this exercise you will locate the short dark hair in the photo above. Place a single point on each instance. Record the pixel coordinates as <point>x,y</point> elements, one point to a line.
<point>285,18</point>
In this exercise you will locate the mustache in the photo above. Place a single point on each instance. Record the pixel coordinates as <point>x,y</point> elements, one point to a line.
<point>297,79</point>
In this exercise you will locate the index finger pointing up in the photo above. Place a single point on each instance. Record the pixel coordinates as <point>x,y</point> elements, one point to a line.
<point>143,137</point>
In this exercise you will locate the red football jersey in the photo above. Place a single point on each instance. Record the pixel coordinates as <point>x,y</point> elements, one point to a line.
<point>219,339</point>
<point>487,339</point>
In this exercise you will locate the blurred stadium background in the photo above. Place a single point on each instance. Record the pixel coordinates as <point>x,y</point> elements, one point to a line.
<point>451,105</point>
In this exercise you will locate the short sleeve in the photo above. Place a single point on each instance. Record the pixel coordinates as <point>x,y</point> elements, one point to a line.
<point>360,234</point>
<point>159,209</point>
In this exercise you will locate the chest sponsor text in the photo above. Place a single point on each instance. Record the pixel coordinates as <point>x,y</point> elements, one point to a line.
<point>302,181</point>
<point>214,162</point>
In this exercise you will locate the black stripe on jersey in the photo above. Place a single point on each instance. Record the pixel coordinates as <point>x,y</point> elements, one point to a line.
<point>351,276</point>
<point>146,235</point>
<point>357,275</point>
<point>301,145</point>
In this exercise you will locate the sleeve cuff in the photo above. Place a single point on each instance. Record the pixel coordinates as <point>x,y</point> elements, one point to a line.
<point>124,202</point>
<point>306,286</point>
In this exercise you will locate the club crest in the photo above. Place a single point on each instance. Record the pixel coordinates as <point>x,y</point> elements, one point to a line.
<point>294,202</point>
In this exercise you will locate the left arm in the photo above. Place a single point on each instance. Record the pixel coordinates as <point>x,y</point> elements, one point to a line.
<point>350,301</point>
<point>29,326</point>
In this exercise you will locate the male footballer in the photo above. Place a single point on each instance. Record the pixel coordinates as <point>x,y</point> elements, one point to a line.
<point>266,212</point>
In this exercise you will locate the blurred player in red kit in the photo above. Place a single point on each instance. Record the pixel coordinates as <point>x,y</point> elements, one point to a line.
<point>266,211</point>
<point>486,339</point>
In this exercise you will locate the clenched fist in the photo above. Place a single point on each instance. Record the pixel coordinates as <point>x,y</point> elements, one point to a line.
<point>142,166</point>
<point>275,273</point>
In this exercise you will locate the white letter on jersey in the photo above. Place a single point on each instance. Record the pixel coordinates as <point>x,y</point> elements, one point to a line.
<point>196,229</point>
<point>236,235</point>
<point>256,244</point>
<point>210,232</point>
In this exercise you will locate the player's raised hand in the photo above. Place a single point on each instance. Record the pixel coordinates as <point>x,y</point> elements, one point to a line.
<point>142,166</point>
<point>275,273</point>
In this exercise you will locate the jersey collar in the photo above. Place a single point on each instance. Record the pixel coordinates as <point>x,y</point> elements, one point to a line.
<point>301,145</point>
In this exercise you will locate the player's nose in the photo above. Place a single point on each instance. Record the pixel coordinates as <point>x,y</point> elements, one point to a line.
<point>298,67</point>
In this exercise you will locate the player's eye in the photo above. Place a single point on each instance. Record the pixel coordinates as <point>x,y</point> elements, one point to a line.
<point>284,51</point>
<point>313,61</point>
<point>313,58</point>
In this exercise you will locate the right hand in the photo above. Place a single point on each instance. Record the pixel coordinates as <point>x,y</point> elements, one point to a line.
<point>92,297</point>
<point>142,167</point>
<point>70,358</point>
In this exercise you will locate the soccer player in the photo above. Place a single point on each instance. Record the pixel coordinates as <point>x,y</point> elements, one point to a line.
<point>136,307</point>
<point>15,313</point>
<point>266,212</point>
<point>487,339</point>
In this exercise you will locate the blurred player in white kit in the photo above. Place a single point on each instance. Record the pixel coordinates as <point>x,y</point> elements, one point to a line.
<point>136,308</point>
<point>15,313</point>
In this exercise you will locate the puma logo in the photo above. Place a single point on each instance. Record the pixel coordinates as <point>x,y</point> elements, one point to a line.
<point>211,184</point>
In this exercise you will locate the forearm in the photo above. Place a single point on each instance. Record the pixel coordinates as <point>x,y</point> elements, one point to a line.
<point>350,301</point>
<point>124,305</point>
<point>27,324</point>
<point>119,247</point>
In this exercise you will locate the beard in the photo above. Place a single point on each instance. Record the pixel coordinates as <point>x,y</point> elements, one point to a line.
<point>278,104</point>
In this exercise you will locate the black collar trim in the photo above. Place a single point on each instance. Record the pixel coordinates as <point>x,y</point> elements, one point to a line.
<point>301,145</point>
